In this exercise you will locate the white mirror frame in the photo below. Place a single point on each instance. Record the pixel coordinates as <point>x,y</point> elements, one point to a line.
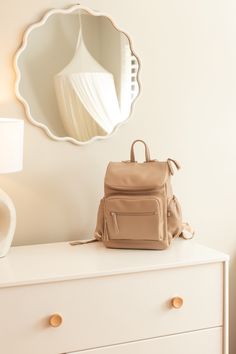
<point>18,73</point>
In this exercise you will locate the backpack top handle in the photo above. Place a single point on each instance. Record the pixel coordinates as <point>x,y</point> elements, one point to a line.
<point>147,153</point>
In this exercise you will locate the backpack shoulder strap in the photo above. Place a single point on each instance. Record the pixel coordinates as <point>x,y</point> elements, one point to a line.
<point>187,231</point>
<point>82,242</point>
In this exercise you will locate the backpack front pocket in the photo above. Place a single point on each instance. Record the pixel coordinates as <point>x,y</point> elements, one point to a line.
<point>133,218</point>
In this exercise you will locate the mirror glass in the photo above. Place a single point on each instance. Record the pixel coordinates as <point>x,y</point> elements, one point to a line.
<point>76,75</point>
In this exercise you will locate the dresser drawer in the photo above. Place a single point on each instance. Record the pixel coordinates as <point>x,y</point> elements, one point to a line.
<point>200,342</point>
<point>110,310</point>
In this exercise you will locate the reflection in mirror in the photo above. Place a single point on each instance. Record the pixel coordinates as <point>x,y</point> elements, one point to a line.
<point>77,75</point>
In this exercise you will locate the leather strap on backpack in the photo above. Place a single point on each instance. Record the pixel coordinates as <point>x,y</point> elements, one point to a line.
<point>172,162</point>
<point>82,242</point>
<point>147,153</point>
<point>187,232</point>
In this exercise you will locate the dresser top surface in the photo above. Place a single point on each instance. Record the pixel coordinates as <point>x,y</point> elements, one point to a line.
<point>60,261</point>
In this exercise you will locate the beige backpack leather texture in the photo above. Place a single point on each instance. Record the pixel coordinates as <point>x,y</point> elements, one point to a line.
<point>139,210</point>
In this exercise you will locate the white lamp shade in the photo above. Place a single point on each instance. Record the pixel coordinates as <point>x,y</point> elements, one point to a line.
<point>11,144</point>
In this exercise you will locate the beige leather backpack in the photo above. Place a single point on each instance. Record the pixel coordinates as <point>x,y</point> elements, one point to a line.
<point>139,209</point>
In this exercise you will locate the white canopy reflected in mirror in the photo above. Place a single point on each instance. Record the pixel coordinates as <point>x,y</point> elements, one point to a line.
<point>77,75</point>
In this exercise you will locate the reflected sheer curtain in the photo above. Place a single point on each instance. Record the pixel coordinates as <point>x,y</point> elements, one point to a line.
<point>86,96</point>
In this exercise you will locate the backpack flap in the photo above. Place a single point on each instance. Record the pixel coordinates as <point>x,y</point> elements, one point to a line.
<point>133,176</point>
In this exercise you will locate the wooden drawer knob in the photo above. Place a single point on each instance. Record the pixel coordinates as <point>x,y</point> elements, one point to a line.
<point>177,302</point>
<point>55,320</point>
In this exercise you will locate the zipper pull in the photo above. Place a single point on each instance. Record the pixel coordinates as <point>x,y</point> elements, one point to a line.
<point>115,222</point>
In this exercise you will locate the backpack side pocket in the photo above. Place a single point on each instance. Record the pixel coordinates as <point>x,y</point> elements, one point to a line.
<point>174,218</point>
<point>99,231</point>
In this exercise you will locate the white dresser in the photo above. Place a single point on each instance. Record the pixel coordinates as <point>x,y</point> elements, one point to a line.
<point>57,298</point>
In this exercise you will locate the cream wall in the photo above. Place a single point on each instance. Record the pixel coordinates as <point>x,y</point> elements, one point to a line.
<point>186,110</point>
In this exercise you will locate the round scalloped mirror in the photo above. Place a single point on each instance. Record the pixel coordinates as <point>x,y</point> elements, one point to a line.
<point>77,75</point>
